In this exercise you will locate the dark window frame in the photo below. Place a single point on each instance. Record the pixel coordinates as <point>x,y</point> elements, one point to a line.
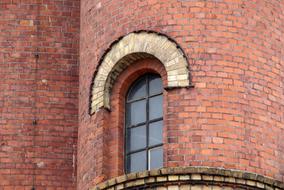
<point>146,123</point>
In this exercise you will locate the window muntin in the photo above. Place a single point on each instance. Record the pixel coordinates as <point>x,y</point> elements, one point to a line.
<point>144,124</point>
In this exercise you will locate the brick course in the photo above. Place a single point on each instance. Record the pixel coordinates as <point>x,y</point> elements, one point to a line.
<point>190,178</point>
<point>232,118</point>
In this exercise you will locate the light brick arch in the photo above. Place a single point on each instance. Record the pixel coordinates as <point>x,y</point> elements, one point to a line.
<point>130,48</point>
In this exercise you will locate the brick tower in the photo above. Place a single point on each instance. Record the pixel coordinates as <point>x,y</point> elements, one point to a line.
<point>221,66</point>
<point>168,95</point>
<point>38,93</point>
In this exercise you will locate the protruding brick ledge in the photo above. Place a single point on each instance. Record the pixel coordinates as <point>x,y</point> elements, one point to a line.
<point>190,178</point>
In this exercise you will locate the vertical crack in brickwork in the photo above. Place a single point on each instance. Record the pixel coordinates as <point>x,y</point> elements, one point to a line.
<point>35,88</point>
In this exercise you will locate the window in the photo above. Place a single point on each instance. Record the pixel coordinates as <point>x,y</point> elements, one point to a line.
<point>144,124</point>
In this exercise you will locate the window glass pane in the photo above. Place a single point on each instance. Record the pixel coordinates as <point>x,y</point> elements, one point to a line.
<point>156,158</point>
<point>155,85</point>
<point>155,133</point>
<point>136,112</point>
<point>137,161</point>
<point>138,90</point>
<point>137,137</point>
<point>156,107</point>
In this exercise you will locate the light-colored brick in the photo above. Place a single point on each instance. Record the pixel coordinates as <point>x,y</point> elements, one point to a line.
<point>159,46</point>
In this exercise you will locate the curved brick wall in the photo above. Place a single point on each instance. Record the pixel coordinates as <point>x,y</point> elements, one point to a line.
<point>38,94</point>
<point>191,178</point>
<point>233,118</point>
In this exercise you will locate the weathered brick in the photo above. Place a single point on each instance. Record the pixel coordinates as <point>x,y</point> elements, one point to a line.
<point>39,55</point>
<point>233,50</point>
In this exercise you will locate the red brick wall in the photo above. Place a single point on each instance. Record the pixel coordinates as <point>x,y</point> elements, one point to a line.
<point>38,93</point>
<point>233,118</point>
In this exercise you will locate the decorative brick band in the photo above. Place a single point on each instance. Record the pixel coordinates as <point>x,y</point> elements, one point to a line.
<point>130,48</point>
<point>190,178</point>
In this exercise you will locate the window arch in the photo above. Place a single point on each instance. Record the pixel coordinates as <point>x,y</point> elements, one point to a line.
<point>144,124</point>
<point>126,51</point>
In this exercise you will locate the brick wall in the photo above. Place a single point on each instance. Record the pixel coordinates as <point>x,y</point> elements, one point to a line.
<point>233,117</point>
<point>191,178</point>
<point>38,93</point>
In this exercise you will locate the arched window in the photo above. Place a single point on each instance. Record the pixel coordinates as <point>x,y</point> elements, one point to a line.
<point>144,124</point>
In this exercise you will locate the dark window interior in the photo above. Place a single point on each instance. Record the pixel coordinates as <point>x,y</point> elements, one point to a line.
<point>144,124</point>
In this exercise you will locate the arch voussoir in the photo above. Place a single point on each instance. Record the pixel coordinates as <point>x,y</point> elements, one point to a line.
<point>131,48</point>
